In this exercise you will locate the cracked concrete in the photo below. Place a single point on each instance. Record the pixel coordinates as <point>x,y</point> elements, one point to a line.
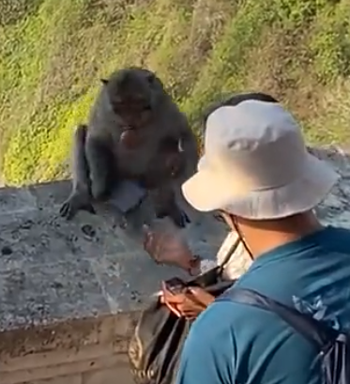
<point>60,282</point>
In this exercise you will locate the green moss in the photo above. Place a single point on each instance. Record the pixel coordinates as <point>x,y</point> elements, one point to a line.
<point>330,43</point>
<point>52,55</point>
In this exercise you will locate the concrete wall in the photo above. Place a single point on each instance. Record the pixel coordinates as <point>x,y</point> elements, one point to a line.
<point>90,351</point>
<point>70,292</point>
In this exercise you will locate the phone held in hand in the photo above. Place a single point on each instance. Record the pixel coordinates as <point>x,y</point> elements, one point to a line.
<point>175,285</point>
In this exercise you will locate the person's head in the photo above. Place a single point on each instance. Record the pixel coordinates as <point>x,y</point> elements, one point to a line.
<point>235,99</point>
<point>256,170</point>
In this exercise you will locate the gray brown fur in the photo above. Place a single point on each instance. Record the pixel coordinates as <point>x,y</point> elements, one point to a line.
<point>133,98</point>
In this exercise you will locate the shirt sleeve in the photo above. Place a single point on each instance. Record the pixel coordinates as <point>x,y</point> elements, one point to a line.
<point>208,355</point>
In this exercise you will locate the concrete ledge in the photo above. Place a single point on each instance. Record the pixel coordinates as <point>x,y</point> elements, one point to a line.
<point>70,292</point>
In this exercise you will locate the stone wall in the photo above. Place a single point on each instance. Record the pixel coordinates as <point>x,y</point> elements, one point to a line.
<point>90,351</point>
<point>70,292</point>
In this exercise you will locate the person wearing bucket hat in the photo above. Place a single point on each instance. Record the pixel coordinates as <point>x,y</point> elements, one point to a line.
<point>257,172</point>
<point>256,165</point>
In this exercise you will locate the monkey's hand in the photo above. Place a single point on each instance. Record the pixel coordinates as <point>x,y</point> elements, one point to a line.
<point>177,215</point>
<point>165,204</point>
<point>77,201</point>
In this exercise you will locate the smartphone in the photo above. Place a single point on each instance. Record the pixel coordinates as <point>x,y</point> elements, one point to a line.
<point>175,285</point>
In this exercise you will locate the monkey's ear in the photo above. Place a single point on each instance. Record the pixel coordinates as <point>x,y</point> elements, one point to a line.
<point>104,81</point>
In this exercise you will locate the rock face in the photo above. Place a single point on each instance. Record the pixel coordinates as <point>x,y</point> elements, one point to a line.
<point>335,209</point>
<point>76,286</point>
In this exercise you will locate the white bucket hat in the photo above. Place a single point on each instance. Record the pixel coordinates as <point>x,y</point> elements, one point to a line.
<point>256,165</point>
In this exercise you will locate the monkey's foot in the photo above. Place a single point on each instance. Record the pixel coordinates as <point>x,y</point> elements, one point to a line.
<point>76,202</point>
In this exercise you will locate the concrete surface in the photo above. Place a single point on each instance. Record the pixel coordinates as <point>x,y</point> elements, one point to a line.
<point>70,291</point>
<point>64,284</point>
<point>51,269</point>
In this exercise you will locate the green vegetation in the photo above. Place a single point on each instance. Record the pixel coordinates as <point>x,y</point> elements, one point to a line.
<point>52,54</point>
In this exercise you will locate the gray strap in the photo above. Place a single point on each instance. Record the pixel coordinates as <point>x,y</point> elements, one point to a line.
<point>315,331</point>
<point>231,250</point>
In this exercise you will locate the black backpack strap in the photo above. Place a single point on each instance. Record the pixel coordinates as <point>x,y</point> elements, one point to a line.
<point>315,331</point>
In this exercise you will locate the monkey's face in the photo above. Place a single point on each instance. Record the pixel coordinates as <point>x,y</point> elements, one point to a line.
<point>130,95</point>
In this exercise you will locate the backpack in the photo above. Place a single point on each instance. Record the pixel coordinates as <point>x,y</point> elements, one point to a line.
<point>333,346</point>
<point>156,344</point>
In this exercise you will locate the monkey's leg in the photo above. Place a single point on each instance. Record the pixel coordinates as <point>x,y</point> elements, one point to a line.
<point>99,160</point>
<point>165,204</point>
<point>79,199</point>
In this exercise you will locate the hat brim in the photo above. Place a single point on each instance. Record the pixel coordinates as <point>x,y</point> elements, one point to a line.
<point>209,191</point>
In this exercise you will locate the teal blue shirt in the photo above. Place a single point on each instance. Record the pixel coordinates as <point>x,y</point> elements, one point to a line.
<point>232,343</point>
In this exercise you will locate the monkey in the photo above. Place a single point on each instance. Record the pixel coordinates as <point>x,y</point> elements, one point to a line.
<point>135,131</point>
<point>167,162</point>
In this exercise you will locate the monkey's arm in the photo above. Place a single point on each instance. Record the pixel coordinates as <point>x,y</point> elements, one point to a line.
<point>187,167</point>
<point>79,199</point>
<point>191,152</point>
<point>181,131</point>
<point>80,169</point>
<point>98,155</point>
<point>165,204</point>
<point>188,151</point>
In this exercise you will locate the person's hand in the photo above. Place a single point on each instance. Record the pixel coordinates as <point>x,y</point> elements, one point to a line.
<point>189,303</point>
<point>170,248</point>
